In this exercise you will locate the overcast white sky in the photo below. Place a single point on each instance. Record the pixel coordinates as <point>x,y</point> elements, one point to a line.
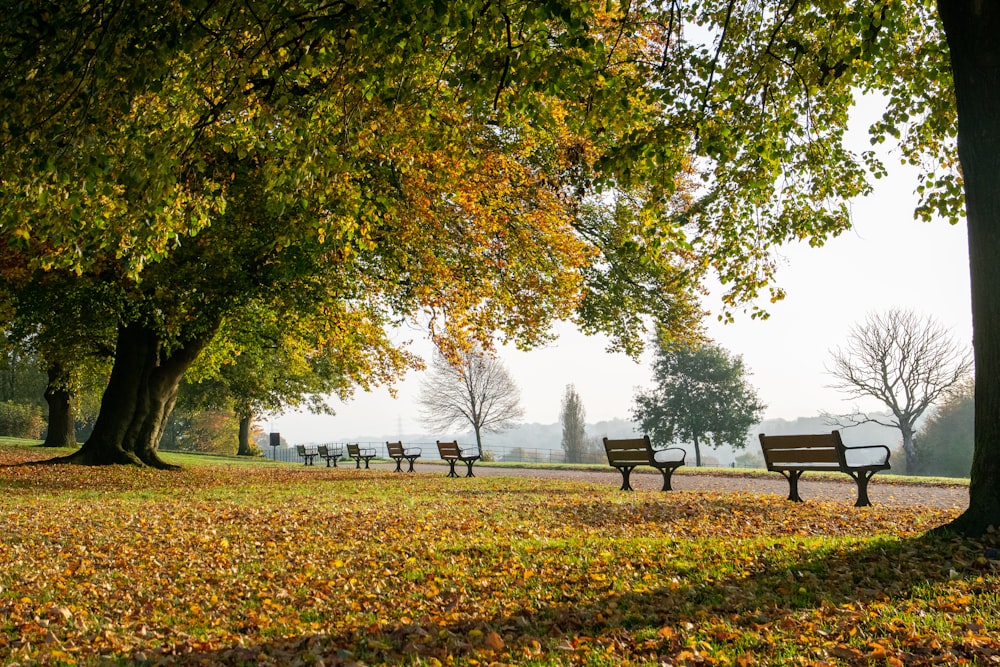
<point>888,259</point>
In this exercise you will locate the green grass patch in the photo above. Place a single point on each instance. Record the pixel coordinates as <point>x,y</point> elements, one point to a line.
<point>251,562</point>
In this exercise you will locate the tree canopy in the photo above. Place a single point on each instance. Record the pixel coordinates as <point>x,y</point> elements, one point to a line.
<point>380,161</point>
<point>701,396</point>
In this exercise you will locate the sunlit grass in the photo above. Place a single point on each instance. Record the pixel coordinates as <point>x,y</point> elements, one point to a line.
<point>283,564</point>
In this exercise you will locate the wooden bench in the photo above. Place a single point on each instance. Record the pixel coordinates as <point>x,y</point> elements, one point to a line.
<point>359,454</point>
<point>791,455</point>
<point>331,453</point>
<point>627,454</point>
<point>306,453</point>
<point>397,452</point>
<point>452,453</point>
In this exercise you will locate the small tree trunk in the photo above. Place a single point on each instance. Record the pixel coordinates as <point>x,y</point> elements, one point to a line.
<point>479,440</point>
<point>909,450</point>
<point>140,394</point>
<point>62,427</point>
<point>697,453</point>
<point>246,419</point>
<point>971,28</point>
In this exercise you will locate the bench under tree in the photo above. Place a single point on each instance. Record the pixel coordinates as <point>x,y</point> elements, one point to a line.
<point>791,455</point>
<point>628,453</point>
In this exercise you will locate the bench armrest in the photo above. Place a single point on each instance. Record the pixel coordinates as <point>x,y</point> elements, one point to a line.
<point>412,451</point>
<point>669,455</point>
<point>366,451</point>
<point>857,455</point>
<point>467,453</point>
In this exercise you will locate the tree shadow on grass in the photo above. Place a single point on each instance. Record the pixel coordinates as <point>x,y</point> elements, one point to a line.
<point>885,601</point>
<point>800,601</point>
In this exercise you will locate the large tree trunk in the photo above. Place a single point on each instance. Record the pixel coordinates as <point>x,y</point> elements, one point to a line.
<point>972,28</point>
<point>140,394</point>
<point>62,426</point>
<point>246,419</point>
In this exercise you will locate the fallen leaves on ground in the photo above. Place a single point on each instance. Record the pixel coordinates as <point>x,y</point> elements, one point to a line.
<point>291,565</point>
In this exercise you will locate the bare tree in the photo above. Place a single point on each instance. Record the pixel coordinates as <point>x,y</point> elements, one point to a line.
<point>905,361</point>
<point>478,391</point>
<point>574,436</point>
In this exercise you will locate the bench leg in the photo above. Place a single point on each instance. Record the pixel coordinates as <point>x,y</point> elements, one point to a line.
<point>451,468</point>
<point>411,459</point>
<point>667,473</point>
<point>862,477</point>
<point>469,463</point>
<point>357,464</point>
<point>793,484</point>
<point>367,459</point>
<point>399,463</point>
<point>626,471</point>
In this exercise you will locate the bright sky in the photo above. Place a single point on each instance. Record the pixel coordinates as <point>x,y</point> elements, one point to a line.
<point>887,260</point>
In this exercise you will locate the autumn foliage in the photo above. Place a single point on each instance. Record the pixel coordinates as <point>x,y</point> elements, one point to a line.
<point>260,563</point>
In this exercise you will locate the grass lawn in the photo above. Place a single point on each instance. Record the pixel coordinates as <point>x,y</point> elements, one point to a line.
<point>260,563</point>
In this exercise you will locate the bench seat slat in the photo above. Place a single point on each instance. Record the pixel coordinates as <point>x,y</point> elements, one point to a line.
<point>803,456</point>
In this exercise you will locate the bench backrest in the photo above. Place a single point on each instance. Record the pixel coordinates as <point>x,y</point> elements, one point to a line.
<point>394,448</point>
<point>824,450</point>
<point>449,450</point>
<point>301,449</point>
<point>353,450</point>
<point>628,451</point>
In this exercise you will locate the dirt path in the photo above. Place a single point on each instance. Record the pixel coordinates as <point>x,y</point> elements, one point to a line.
<point>881,491</point>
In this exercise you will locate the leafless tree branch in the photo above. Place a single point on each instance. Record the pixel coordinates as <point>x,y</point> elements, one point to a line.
<point>903,360</point>
<point>478,392</point>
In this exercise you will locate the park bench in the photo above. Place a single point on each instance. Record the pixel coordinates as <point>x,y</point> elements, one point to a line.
<point>331,453</point>
<point>452,453</point>
<point>791,455</point>
<point>359,454</point>
<point>397,452</point>
<point>627,454</point>
<point>307,454</point>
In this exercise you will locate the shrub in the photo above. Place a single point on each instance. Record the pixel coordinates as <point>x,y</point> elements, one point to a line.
<point>19,420</point>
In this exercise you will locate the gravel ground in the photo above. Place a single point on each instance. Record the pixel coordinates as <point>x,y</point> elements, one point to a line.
<point>880,490</point>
